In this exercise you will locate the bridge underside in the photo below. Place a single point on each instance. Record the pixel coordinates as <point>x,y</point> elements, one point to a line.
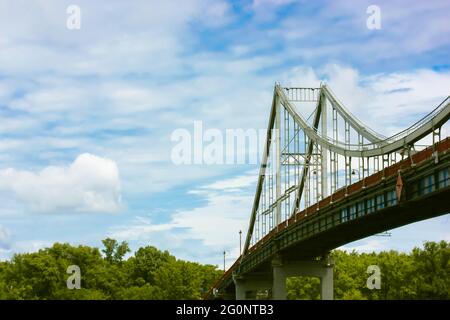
<point>319,245</point>
<point>389,218</point>
<point>326,229</point>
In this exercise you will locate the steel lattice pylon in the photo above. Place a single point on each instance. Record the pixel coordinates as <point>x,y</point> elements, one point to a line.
<point>305,161</point>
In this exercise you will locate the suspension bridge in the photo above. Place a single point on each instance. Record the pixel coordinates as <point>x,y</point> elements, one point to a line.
<point>328,180</point>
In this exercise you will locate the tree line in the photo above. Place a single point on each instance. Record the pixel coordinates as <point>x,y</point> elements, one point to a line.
<point>424,273</point>
<point>150,273</point>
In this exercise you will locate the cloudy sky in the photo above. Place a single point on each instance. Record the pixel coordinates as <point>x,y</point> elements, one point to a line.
<point>86,115</point>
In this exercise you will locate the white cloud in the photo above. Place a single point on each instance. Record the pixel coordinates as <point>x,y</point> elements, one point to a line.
<point>148,38</point>
<point>142,228</point>
<point>24,246</point>
<point>215,224</point>
<point>257,3</point>
<point>119,89</point>
<point>405,96</point>
<point>31,246</point>
<point>89,184</point>
<point>50,100</point>
<point>234,184</point>
<point>372,245</point>
<point>405,238</point>
<point>144,155</point>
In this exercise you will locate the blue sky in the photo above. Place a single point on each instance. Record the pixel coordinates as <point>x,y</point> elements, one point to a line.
<point>86,115</point>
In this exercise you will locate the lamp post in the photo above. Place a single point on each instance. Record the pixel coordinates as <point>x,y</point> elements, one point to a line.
<point>224,253</point>
<point>240,242</point>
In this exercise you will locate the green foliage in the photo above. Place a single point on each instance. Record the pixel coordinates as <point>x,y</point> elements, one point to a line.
<point>146,262</point>
<point>301,288</point>
<point>433,271</point>
<point>185,280</point>
<point>422,274</point>
<point>114,252</point>
<point>154,274</point>
<point>149,274</point>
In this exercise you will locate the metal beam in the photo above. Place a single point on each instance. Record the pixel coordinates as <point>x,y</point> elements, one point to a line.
<point>277,162</point>
<point>262,172</point>
<point>308,157</point>
<point>392,144</point>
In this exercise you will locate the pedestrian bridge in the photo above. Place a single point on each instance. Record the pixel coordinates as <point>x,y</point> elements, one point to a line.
<point>328,180</point>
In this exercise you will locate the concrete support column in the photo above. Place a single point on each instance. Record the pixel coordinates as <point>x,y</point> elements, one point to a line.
<point>279,280</point>
<point>322,269</point>
<point>240,290</point>
<point>326,283</point>
<point>247,286</point>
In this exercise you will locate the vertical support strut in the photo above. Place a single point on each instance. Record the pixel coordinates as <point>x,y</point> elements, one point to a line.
<point>278,163</point>
<point>348,171</point>
<point>324,156</point>
<point>333,173</point>
<point>335,125</point>
<point>262,173</point>
<point>264,206</point>
<point>316,174</point>
<point>347,132</point>
<point>436,135</point>
<point>385,159</point>
<point>348,160</point>
<point>307,178</point>
<point>360,160</point>
<point>308,156</point>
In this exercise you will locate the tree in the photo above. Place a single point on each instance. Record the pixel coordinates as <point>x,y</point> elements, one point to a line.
<point>432,270</point>
<point>146,262</point>
<point>180,279</point>
<point>114,252</point>
<point>301,288</point>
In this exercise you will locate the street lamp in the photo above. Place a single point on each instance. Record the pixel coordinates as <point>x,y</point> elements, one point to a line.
<point>240,242</point>
<point>224,253</point>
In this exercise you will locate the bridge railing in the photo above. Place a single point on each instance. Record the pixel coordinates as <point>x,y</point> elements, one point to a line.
<point>398,136</point>
<point>421,122</point>
<point>444,106</point>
